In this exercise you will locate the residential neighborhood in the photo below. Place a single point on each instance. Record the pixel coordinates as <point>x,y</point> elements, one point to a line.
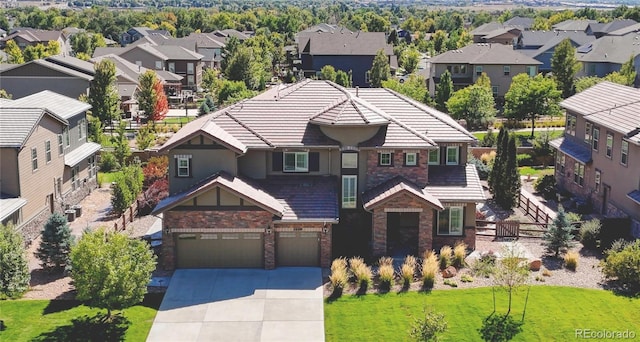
<point>281,172</point>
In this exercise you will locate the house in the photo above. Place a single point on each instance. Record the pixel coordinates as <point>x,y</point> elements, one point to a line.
<point>540,45</point>
<point>346,51</point>
<point>524,23</point>
<point>207,44</point>
<point>574,25</point>
<point>500,62</point>
<point>46,162</point>
<point>174,59</point>
<point>136,33</point>
<point>598,157</point>
<point>607,54</point>
<point>496,33</point>
<point>602,29</point>
<point>25,36</point>
<point>308,171</point>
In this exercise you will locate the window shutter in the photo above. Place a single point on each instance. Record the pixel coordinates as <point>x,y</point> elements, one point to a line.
<point>190,167</point>
<point>404,159</point>
<point>175,163</point>
<point>443,155</point>
<point>314,161</point>
<point>392,159</point>
<point>276,161</point>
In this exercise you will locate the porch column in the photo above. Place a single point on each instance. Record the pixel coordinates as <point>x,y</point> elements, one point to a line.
<point>425,231</point>
<point>325,246</point>
<point>379,232</point>
<point>270,249</point>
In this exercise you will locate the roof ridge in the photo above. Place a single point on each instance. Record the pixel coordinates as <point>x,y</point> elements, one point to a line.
<point>330,106</point>
<point>290,89</point>
<point>245,126</point>
<point>355,106</point>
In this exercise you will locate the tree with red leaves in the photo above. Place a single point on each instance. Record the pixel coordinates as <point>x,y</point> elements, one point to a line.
<point>162,105</point>
<point>156,184</point>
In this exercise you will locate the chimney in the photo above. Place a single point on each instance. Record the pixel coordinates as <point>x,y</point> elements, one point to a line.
<point>357,88</point>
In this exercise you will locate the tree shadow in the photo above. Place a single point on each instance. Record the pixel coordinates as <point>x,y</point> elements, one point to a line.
<point>153,300</point>
<point>85,328</point>
<point>60,305</point>
<point>552,263</point>
<point>41,276</point>
<point>620,289</point>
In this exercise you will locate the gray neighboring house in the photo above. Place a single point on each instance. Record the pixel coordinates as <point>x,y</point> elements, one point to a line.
<point>496,33</point>
<point>598,157</point>
<point>602,29</point>
<point>136,33</point>
<point>500,62</point>
<point>540,45</point>
<point>574,25</point>
<point>46,162</point>
<point>522,22</point>
<point>206,44</point>
<point>607,54</point>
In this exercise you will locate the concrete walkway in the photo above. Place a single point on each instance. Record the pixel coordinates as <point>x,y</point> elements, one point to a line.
<point>285,304</point>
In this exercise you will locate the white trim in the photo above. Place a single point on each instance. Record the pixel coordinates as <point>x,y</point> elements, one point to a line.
<point>349,178</point>
<point>296,229</point>
<point>457,149</point>
<point>403,210</point>
<point>215,230</point>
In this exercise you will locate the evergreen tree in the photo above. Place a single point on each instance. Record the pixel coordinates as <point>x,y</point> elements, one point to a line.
<point>121,150</point>
<point>559,236</point>
<point>509,183</point>
<point>56,242</point>
<point>444,91</point>
<point>564,66</point>
<point>147,96</point>
<point>380,70</point>
<point>204,109</point>
<point>14,265</point>
<point>495,176</point>
<point>103,94</point>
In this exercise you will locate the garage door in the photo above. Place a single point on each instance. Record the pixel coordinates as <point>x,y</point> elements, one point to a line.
<point>220,250</point>
<point>298,249</point>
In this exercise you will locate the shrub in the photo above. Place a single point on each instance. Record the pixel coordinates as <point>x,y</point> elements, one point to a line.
<point>524,159</point>
<point>465,278</point>
<point>14,265</point>
<point>445,257</point>
<point>617,246</point>
<point>385,273</point>
<point>489,139</point>
<point>428,328</point>
<point>55,245</point>
<point>573,217</point>
<point>488,158</point>
<point>558,236</point>
<point>408,270</point>
<point>108,162</point>
<point>339,277</point>
<point>589,233</point>
<point>450,282</point>
<point>571,260</point>
<point>429,269</point>
<point>499,328</point>
<point>459,253</point>
<point>546,186</point>
<point>145,137</point>
<point>482,168</point>
<point>624,265</point>
<point>485,265</point>
<point>361,272</point>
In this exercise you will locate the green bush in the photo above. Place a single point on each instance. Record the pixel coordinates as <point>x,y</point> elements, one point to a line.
<point>546,186</point>
<point>489,139</point>
<point>617,246</point>
<point>624,265</point>
<point>482,168</point>
<point>485,265</point>
<point>428,328</point>
<point>14,266</point>
<point>589,233</point>
<point>524,159</point>
<point>108,162</point>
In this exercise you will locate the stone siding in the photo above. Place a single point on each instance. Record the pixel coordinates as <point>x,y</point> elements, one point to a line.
<point>468,237</point>
<point>379,174</point>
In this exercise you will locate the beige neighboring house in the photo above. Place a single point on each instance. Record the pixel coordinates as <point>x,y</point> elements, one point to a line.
<point>26,36</point>
<point>306,172</point>
<point>598,158</point>
<point>46,162</point>
<point>500,62</point>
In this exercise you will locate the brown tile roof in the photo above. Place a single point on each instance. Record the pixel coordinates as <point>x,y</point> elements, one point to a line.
<point>485,53</point>
<point>208,128</point>
<point>349,111</point>
<point>455,184</point>
<point>235,185</point>
<point>305,198</point>
<point>393,187</point>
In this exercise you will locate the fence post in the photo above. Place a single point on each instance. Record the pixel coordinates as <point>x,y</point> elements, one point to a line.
<point>528,203</point>
<point>124,222</point>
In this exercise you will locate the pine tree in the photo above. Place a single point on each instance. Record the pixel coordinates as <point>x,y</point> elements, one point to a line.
<point>509,187</point>
<point>14,266</point>
<point>444,90</point>
<point>55,246</point>
<point>380,70</point>
<point>496,170</point>
<point>559,236</point>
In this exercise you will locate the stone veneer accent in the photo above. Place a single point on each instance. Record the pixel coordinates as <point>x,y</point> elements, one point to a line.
<point>468,237</point>
<point>378,174</point>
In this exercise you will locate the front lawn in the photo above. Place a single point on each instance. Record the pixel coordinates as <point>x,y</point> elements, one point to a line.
<point>536,171</point>
<point>67,320</point>
<point>523,136</point>
<point>553,313</point>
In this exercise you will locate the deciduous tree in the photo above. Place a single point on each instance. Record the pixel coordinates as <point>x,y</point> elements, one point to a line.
<point>444,90</point>
<point>475,104</point>
<point>103,94</point>
<point>147,96</point>
<point>161,107</point>
<point>564,66</point>
<point>328,72</point>
<point>409,59</point>
<point>14,54</point>
<point>530,97</point>
<point>14,265</point>
<point>380,69</point>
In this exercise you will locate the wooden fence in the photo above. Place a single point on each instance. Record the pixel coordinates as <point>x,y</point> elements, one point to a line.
<point>515,229</point>
<point>531,209</point>
<point>127,216</point>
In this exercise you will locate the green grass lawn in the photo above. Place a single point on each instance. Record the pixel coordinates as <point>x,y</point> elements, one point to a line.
<point>536,171</point>
<point>177,120</point>
<point>524,135</point>
<point>67,320</point>
<point>553,313</point>
<point>105,178</point>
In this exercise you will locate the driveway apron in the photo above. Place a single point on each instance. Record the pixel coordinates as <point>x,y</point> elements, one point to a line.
<point>285,304</point>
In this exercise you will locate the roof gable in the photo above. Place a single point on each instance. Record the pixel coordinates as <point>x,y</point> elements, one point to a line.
<point>485,53</point>
<point>18,123</point>
<point>60,105</point>
<point>395,187</point>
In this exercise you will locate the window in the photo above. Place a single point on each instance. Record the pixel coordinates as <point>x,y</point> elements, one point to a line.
<point>624,152</point>
<point>450,221</point>
<point>587,132</point>
<point>158,65</point>
<point>494,90</point>
<point>385,158</point>
<point>560,162</point>
<point>452,155</point>
<point>609,144</point>
<point>172,66</point>
<point>434,157</point>
<point>82,124</point>
<point>139,63</point>
<point>411,159</point>
<point>190,69</point>
<point>60,145</point>
<point>67,141</point>
<point>595,138</point>
<point>478,70</point>
<point>571,125</point>
<point>190,80</point>
<point>459,69</point>
<point>75,177</point>
<point>506,70</point>
<point>367,76</point>
<point>296,162</point>
<point>349,160</point>
<point>349,186</point>
<point>92,166</point>
<point>531,70</point>
<point>34,159</point>
<point>578,173</point>
<point>184,166</point>
<point>598,178</point>
<point>47,150</point>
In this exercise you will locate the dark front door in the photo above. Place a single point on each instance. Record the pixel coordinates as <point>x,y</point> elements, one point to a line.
<point>402,234</point>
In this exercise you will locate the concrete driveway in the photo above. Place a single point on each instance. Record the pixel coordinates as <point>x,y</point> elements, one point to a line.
<point>285,304</point>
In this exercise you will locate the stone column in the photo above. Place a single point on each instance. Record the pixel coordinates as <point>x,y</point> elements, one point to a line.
<point>379,232</point>
<point>168,250</point>
<point>270,249</point>
<point>425,231</point>
<point>325,246</point>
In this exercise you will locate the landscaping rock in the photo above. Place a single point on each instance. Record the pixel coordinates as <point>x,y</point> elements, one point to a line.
<point>449,272</point>
<point>535,265</point>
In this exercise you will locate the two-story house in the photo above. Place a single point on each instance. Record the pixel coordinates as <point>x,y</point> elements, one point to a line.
<point>135,33</point>
<point>46,162</point>
<point>541,45</point>
<point>607,54</point>
<point>598,158</point>
<point>26,36</point>
<point>500,62</point>
<point>312,170</point>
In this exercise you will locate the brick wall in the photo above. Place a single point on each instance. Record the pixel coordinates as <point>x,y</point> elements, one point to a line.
<point>378,174</point>
<point>468,237</point>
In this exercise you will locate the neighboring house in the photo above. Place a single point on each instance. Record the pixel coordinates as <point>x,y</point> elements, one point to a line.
<point>174,59</point>
<point>24,36</point>
<point>136,33</point>
<point>607,54</point>
<point>524,23</point>
<point>496,33</point>
<point>206,44</point>
<point>602,29</point>
<point>574,25</point>
<point>500,62</point>
<point>540,45</point>
<point>25,79</point>
<point>346,51</point>
<point>598,158</point>
<point>46,162</point>
<point>309,171</point>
